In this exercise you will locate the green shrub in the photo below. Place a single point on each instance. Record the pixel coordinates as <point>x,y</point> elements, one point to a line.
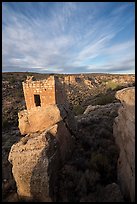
<point>104,80</point>
<point>19,94</point>
<point>112,85</point>
<point>119,87</point>
<point>99,162</point>
<point>8,144</point>
<point>12,80</point>
<point>61,75</point>
<point>104,99</point>
<point>78,110</point>
<point>5,123</point>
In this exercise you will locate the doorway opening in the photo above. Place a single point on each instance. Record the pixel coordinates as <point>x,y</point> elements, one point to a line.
<point>37,100</point>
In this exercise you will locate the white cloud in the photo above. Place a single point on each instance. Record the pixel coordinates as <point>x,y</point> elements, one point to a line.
<point>63,39</point>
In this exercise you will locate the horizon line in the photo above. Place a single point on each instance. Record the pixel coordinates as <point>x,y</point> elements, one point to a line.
<point>68,73</point>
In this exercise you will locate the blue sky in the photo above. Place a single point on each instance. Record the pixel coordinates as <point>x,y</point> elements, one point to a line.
<point>68,37</point>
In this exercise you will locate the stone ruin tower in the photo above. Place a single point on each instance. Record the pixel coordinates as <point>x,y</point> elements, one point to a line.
<point>43,92</point>
<point>41,96</point>
<point>48,126</point>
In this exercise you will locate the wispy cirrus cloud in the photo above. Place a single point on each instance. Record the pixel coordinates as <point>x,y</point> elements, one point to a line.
<point>68,37</point>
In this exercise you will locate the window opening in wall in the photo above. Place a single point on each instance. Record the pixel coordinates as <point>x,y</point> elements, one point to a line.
<point>37,100</point>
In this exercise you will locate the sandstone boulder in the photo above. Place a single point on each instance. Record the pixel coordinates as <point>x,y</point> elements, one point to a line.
<point>41,118</point>
<point>91,108</point>
<point>36,160</point>
<point>124,133</point>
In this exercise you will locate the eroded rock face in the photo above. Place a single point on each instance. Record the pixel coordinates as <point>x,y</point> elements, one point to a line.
<point>41,118</point>
<point>36,159</point>
<point>28,158</point>
<point>50,128</point>
<point>124,133</point>
<point>38,156</point>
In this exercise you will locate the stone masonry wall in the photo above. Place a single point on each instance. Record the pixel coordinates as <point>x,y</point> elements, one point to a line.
<point>60,94</point>
<point>45,88</point>
<point>52,95</point>
<point>70,79</point>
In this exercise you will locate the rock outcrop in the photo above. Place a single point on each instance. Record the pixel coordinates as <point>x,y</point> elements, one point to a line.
<point>37,157</point>
<point>124,133</point>
<point>50,128</point>
<point>41,118</point>
<point>91,173</point>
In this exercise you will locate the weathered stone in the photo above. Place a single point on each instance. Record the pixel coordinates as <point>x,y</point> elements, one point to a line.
<point>53,92</point>
<point>46,108</point>
<point>40,118</point>
<point>90,108</point>
<point>38,156</point>
<point>112,193</point>
<point>37,160</point>
<point>124,133</point>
